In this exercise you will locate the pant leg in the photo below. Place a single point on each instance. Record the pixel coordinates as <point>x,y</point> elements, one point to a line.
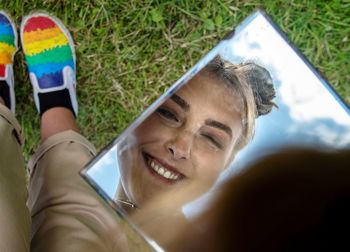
<point>67,214</point>
<point>14,214</point>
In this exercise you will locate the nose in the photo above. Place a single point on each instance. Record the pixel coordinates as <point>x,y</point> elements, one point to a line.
<point>180,146</point>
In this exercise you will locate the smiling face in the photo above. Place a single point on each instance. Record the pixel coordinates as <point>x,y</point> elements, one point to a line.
<point>190,138</point>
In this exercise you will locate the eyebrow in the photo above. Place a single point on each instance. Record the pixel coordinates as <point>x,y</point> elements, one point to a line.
<point>181,102</point>
<point>219,125</point>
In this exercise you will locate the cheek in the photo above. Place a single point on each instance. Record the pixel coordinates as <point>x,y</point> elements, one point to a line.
<point>147,129</point>
<point>210,166</point>
<point>151,130</point>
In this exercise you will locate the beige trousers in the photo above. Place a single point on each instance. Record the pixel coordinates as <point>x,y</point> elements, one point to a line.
<point>14,215</point>
<point>66,214</point>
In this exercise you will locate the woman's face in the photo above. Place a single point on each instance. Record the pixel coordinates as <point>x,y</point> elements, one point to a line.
<point>188,139</point>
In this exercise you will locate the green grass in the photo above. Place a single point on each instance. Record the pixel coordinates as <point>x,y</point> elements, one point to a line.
<point>129,52</point>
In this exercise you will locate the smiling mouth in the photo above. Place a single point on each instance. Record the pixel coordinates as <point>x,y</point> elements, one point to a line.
<point>161,170</point>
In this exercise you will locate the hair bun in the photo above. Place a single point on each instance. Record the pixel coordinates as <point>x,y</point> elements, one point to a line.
<point>261,83</point>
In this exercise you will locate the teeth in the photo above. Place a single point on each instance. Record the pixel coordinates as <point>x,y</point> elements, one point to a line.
<point>163,171</point>
<point>167,174</point>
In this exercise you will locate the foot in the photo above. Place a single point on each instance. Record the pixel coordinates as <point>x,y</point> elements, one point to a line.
<point>49,52</point>
<point>8,48</point>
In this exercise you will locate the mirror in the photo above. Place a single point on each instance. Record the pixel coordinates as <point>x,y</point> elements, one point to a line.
<point>251,95</point>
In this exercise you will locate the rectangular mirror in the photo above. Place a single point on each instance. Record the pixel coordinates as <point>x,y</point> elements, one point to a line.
<point>251,95</point>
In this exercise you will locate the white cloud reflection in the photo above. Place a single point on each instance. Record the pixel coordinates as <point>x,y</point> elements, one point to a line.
<point>312,110</point>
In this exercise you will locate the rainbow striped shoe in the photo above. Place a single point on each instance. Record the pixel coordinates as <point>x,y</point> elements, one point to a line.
<point>49,52</point>
<point>8,48</point>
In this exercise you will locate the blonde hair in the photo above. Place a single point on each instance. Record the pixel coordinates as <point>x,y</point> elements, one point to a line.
<point>253,86</point>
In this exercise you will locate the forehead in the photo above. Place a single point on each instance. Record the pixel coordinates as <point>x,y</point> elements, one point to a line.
<point>211,97</point>
<point>205,86</point>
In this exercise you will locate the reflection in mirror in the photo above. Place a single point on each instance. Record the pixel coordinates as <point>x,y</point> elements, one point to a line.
<point>194,135</point>
<point>251,95</point>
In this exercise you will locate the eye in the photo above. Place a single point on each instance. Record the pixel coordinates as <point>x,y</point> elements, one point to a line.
<point>213,140</point>
<point>167,114</point>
